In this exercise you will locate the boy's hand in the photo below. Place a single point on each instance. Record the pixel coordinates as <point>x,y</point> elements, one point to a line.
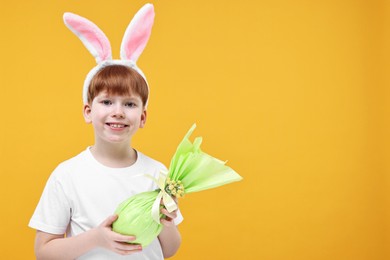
<point>113,241</point>
<point>168,221</point>
<point>169,237</point>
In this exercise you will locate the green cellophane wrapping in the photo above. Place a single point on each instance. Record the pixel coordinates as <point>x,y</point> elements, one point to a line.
<point>195,169</point>
<point>135,219</point>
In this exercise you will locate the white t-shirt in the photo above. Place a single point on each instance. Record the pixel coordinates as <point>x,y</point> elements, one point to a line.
<point>81,193</point>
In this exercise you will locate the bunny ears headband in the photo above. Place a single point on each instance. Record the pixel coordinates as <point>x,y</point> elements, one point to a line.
<point>134,41</point>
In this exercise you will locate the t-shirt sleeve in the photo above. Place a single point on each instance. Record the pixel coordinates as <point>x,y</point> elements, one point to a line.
<point>52,215</point>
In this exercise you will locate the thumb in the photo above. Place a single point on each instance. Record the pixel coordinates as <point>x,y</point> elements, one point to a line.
<point>108,222</point>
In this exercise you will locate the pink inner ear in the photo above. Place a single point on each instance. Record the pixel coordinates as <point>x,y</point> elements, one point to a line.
<point>92,37</point>
<point>138,33</point>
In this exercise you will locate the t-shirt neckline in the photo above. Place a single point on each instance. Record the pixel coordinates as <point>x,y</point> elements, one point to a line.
<point>113,169</point>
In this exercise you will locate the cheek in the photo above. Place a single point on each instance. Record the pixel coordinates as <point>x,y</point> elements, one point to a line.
<point>97,116</point>
<point>134,115</point>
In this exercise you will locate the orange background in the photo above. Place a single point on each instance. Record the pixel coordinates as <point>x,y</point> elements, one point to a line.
<point>295,94</point>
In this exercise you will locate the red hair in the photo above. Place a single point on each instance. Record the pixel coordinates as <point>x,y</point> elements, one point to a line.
<point>118,80</point>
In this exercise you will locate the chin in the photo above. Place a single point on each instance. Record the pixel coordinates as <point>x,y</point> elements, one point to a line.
<point>118,141</point>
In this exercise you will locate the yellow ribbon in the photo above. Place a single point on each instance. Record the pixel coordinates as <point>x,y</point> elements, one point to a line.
<point>168,202</point>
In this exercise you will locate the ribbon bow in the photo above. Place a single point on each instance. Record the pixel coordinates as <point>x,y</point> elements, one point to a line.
<point>168,202</point>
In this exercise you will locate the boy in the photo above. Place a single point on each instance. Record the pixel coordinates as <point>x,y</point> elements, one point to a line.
<point>73,218</point>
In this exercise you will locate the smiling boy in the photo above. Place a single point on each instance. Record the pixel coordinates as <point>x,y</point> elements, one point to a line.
<point>74,217</point>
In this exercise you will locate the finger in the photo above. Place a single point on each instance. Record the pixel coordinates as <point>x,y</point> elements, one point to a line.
<point>108,222</point>
<point>127,247</point>
<point>124,252</point>
<point>127,252</point>
<point>167,222</point>
<point>123,238</point>
<point>172,214</point>
<point>117,237</point>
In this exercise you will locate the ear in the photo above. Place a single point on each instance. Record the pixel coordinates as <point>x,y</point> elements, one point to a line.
<point>87,113</point>
<point>90,35</point>
<point>137,33</point>
<point>143,119</point>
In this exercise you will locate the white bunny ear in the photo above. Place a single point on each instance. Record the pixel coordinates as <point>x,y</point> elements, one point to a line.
<point>137,33</point>
<point>90,35</point>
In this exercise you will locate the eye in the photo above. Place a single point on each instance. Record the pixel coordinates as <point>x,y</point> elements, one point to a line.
<point>131,104</point>
<point>106,102</point>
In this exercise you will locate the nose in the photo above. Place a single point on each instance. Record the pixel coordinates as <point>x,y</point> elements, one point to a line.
<point>118,111</point>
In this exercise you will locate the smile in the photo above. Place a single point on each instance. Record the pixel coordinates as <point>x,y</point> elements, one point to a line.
<point>117,126</point>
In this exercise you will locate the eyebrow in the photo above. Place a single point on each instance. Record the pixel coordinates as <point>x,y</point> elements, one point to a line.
<point>132,98</point>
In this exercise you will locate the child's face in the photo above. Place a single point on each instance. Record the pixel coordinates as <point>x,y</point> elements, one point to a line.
<point>115,118</point>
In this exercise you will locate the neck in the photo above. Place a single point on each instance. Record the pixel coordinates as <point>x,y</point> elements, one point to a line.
<point>114,155</point>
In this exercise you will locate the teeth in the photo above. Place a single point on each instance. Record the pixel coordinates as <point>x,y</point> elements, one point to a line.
<point>116,126</point>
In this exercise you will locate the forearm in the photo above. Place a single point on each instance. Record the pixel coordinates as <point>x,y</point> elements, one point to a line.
<point>62,248</point>
<point>170,240</point>
<point>49,246</point>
